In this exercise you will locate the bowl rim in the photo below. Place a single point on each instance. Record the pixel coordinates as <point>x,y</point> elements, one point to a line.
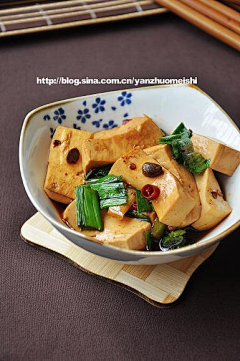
<point>201,245</point>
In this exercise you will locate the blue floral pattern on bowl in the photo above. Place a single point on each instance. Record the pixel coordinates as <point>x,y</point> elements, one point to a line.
<point>75,126</point>
<point>59,115</point>
<point>86,112</point>
<point>52,132</point>
<point>83,115</point>
<point>125,98</point>
<point>46,117</point>
<point>97,123</point>
<point>109,125</point>
<point>98,106</point>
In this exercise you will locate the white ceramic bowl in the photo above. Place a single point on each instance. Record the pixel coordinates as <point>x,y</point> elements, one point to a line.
<point>168,106</point>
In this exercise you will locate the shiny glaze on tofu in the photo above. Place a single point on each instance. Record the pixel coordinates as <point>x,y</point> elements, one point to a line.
<point>127,233</point>
<point>224,159</point>
<point>65,170</point>
<point>182,199</point>
<point>109,145</point>
<point>173,204</point>
<point>214,207</point>
<point>163,154</point>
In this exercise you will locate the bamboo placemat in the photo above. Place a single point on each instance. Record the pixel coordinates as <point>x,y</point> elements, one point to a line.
<point>21,17</point>
<point>159,285</point>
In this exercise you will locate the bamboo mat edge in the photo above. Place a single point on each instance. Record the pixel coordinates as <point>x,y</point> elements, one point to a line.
<point>37,224</point>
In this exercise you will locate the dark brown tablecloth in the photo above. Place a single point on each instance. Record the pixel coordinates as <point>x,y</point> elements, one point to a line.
<point>50,310</point>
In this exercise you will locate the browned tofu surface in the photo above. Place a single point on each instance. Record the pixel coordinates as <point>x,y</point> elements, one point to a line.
<point>173,204</point>
<point>163,154</point>
<point>65,170</point>
<point>125,233</point>
<point>214,207</point>
<point>224,159</point>
<point>108,146</point>
<point>58,197</point>
<point>120,211</point>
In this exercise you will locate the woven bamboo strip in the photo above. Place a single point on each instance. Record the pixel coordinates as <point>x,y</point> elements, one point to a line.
<point>157,284</point>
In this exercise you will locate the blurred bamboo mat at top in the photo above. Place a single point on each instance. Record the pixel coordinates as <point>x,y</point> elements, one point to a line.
<point>219,19</point>
<point>25,16</point>
<point>216,18</point>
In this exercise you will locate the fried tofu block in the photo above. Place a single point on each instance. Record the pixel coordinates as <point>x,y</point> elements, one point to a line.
<point>224,159</point>
<point>214,207</point>
<point>58,197</point>
<point>70,217</point>
<point>163,154</point>
<point>120,211</point>
<point>173,204</point>
<point>65,170</point>
<point>107,146</point>
<point>127,233</point>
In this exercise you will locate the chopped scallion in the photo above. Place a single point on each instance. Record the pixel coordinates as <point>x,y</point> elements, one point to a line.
<point>173,240</point>
<point>183,150</point>
<point>158,229</point>
<point>98,172</point>
<point>149,241</point>
<point>111,202</point>
<point>111,191</point>
<point>88,209</point>
<point>135,214</point>
<point>143,205</point>
<point>110,178</point>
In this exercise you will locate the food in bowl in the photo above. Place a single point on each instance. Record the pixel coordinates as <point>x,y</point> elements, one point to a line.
<point>136,187</point>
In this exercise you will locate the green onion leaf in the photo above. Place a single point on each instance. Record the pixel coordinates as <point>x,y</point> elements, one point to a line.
<point>158,229</point>
<point>88,209</point>
<point>111,202</point>
<point>107,179</point>
<point>110,189</point>
<point>182,129</point>
<point>143,204</point>
<point>98,172</point>
<point>173,240</point>
<point>135,214</point>
<point>195,163</point>
<point>149,241</point>
<point>183,150</point>
<point>168,139</point>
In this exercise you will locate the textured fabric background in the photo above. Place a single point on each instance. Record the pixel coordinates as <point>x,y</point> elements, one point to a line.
<point>50,310</point>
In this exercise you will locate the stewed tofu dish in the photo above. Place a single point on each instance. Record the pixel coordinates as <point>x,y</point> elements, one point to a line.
<point>137,187</point>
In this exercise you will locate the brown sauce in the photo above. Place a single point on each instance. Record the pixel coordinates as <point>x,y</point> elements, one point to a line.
<point>60,207</point>
<point>193,235</point>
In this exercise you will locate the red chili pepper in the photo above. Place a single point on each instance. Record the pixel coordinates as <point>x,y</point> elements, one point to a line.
<point>132,166</point>
<point>134,206</point>
<point>150,191</point>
